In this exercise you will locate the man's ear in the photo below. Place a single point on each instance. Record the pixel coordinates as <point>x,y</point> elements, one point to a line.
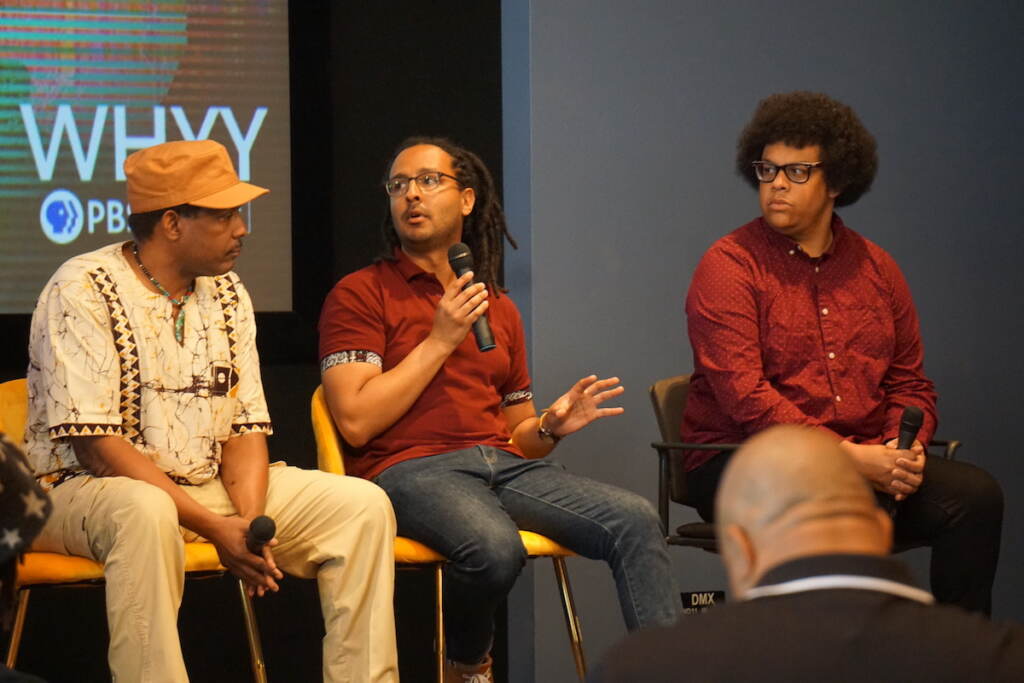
<point>468,200</point>
<point>740,558</point>
<point>170,224</point>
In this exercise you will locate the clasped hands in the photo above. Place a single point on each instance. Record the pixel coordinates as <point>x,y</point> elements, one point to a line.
<point>889,469</point>
<point>259,572</point>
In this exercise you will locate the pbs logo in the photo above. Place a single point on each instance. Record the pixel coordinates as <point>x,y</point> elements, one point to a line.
<point>61,216</point>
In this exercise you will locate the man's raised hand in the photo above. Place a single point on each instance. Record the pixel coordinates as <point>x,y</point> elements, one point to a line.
<point>580,406</point>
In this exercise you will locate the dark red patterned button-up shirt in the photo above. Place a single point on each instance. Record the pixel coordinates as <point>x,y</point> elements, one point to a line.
<point>779,337</point>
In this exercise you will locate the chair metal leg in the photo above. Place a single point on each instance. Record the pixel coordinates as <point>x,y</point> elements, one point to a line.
<point>252,632</point>
<point>572,621</point>
<point>439,644</point>
<point>664,472</point>
<point>19,625</point>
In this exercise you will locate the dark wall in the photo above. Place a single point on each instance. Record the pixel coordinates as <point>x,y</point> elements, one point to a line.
<point>632,126</point>
<point>402,70</point>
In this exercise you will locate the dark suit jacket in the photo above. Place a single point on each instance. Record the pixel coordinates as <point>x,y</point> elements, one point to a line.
<point>843,634</point>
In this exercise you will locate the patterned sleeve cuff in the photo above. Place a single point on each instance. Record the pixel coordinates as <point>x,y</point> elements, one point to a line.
<point>62,431</point>
<point>251,427</point>
<point>515,397</point>
<point>356,356</point>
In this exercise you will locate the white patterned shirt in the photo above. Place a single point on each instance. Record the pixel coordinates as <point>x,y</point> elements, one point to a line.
<point>103,360</point>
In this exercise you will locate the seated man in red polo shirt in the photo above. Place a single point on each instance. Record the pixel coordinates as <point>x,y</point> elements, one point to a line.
<point>795,318</point>
<point>451,432</point>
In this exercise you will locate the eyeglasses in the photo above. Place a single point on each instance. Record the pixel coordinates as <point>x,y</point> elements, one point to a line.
<point>799,172</point>
<point>427,182</point>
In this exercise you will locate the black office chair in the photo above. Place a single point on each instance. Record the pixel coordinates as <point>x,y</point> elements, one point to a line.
<point>668,396</point>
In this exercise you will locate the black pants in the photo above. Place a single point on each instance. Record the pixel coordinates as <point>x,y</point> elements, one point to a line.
<point>958,511</point>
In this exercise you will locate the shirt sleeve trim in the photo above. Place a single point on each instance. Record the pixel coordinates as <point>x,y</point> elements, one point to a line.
<point>251,427</point>
<point>350,356</point>
<point>515,397</point>
<point>62,431</point>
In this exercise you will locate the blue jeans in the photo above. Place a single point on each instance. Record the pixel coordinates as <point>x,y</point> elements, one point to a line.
<point>469,505</point>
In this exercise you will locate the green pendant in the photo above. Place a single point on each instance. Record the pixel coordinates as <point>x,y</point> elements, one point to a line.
<point>179,321</point>
<point>179,326</point>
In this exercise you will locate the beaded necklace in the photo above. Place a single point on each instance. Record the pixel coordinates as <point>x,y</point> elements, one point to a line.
<point>179,321</point>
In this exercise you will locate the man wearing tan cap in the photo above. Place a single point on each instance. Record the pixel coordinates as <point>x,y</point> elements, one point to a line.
<point>148,427</point>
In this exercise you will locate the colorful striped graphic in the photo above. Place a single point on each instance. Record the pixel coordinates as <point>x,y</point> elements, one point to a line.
<point>82,84</point>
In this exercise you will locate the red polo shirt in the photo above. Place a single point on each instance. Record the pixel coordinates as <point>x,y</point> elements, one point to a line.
<point>385,310</point>
<point>779,337</point>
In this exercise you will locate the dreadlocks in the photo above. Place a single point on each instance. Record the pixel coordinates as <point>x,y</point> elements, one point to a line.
<point>484,230</point>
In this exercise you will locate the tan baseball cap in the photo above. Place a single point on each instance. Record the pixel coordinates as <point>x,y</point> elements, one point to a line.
<point>196,172</point>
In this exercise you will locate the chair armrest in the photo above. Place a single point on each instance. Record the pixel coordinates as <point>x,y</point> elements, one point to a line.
<point>949,447</point>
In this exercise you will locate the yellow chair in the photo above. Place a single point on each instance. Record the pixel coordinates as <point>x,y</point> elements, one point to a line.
<point>408,551</point>
<point>38,569</point>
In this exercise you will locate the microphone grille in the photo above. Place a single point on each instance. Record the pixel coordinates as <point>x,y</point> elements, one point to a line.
<point>262,528</point>
<point>460,257</point>
<point>912,416</point>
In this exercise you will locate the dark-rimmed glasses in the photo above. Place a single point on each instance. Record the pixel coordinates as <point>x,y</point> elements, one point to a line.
<point>427,182</point>
<point>799,172</point>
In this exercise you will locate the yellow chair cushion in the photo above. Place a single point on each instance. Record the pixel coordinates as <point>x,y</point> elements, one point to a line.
<point>54,568</point>
<point>37,568</point>
<point>408,551</point>
<point>542,546</point>
<point>14,410</point>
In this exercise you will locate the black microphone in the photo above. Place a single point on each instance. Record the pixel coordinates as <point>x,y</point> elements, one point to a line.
<point>261,530</point>
<point>910,424</point>
<point>461,261</point>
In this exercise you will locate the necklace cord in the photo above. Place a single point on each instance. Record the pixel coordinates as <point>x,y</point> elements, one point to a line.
<point>179,321</point>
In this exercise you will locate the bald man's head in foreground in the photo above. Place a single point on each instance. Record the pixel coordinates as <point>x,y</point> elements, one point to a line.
<point>790,492</point>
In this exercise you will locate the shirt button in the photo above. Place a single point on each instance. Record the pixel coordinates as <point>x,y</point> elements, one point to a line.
<point>831,355</point>
<point>824,311</point>
<point>792,251</point>
<point>816,269</point>
<point>839,399</point>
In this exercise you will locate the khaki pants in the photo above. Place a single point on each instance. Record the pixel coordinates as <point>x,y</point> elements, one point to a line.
<point>337,529</point>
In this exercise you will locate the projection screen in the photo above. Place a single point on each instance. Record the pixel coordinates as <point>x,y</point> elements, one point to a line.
<point>84,84</point>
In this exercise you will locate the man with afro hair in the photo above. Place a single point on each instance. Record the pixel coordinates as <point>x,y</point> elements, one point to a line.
<point>795,318</point>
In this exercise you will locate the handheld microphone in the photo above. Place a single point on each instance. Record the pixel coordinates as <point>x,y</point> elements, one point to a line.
<point>910,424</point>
<point>261,531</point>
<point>461,261</point>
